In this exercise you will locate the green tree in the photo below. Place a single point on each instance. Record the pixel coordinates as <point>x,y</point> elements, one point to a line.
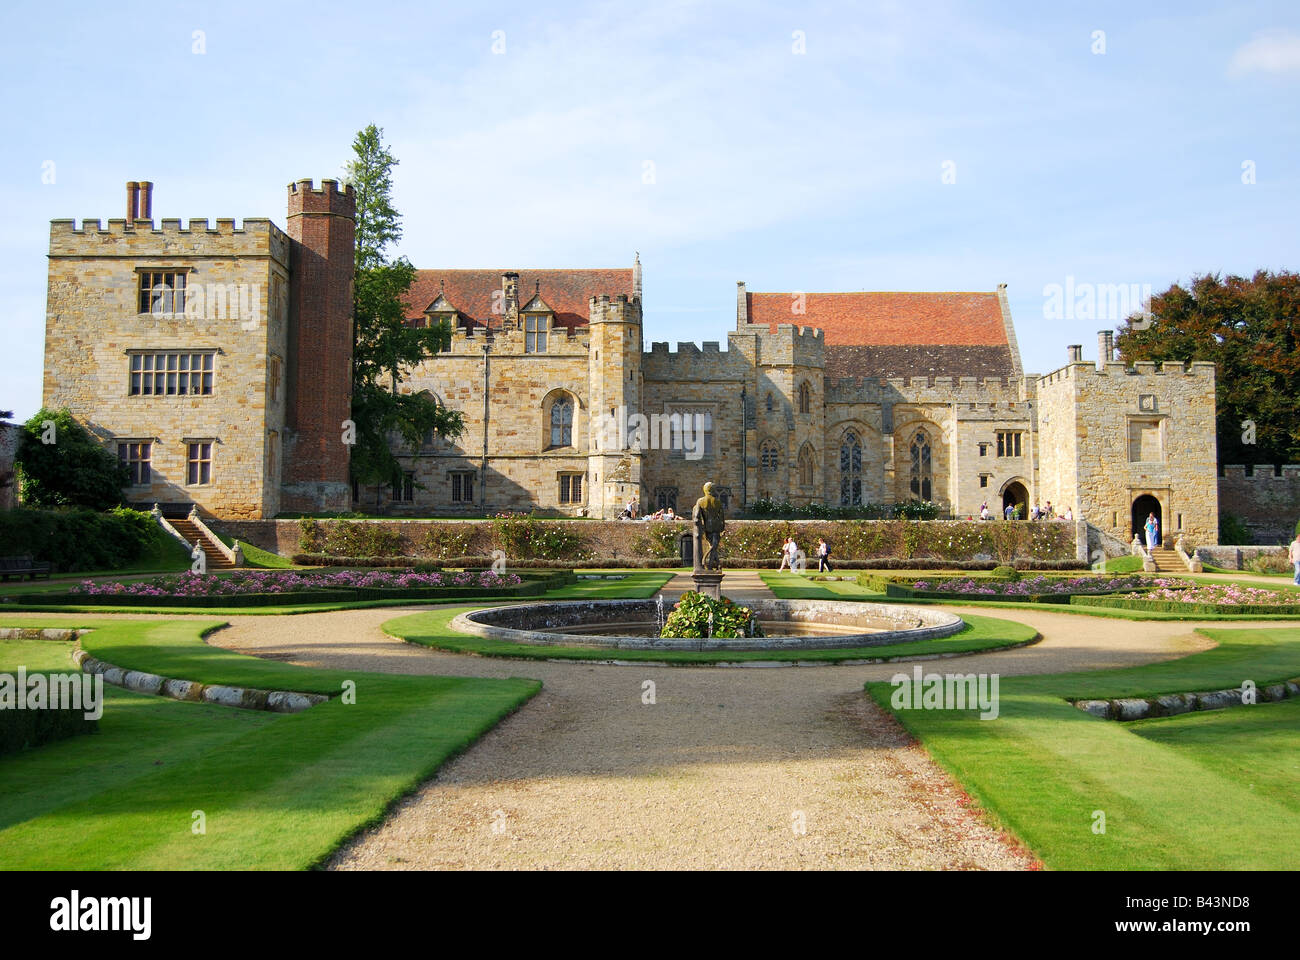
<point>385,347</point>
<point>1249,329</point>
<point>62,465</point>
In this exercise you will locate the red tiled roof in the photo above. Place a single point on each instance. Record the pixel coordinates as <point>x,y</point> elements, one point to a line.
<point>470,291</point>
<point>889,319</point>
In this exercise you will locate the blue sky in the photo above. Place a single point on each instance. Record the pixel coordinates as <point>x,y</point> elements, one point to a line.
<point>820,170</point>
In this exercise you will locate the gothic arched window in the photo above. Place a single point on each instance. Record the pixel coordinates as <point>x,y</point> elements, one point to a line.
<point>851,470</point>
<point>769,456</point>
<point>920,484</point>
<point>807,466</point>
<point>805,398</point>
<point>562,422</point>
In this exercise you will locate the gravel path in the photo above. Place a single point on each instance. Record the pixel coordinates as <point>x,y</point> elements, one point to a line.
<point>726,769</point>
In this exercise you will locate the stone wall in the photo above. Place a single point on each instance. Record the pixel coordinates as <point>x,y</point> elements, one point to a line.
<point>1268,502</point>
<point>9,434</point>
<point>94,323</point>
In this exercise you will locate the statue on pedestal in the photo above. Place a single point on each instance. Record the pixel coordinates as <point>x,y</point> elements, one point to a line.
<point>709,520</point>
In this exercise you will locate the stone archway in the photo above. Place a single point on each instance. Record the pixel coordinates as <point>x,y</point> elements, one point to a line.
<point>1015,494</point>
<point>1142,506</point>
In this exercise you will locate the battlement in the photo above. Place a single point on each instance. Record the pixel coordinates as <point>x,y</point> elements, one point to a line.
<point>1141,368</point>
<point>306,198</point>
<point>1261,472</point>
<point>225,226</point>
<point>167,238</point>
<point>966,390</point>
<point>618,309</point>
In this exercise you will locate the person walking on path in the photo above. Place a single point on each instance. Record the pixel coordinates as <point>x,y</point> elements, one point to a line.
<point>785,554</point>
<point>824,557</point>
<point>1295,556</point>
<point>1152,528</point>
<point>1010,512</point>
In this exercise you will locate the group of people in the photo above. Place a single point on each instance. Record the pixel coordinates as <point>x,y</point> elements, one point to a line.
<point>633,512</point>
<point>790,555</point>
<point>1011,510</point>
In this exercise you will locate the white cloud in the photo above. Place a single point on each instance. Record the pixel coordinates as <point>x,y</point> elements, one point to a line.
<point>1275,51</point>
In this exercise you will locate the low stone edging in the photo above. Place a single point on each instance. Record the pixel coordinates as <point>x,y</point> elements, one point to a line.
<point>1173,704</point>
<point>32,633</point>
<point>246,698</point>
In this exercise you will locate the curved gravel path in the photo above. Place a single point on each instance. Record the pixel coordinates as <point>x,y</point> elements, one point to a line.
<point>727,768</point>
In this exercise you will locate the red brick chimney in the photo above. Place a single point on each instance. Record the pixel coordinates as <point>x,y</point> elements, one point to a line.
<point>132,200</point>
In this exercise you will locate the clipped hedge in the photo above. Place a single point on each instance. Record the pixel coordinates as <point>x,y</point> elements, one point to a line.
<point>74,539</point>
<point>25,729</point>
<point>747,543</point>
<point>1195,609</point>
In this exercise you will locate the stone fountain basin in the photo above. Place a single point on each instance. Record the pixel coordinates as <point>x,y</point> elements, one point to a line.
<point>811,625</point>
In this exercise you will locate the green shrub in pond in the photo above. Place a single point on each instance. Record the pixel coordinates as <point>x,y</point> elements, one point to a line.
<point>699,616</point>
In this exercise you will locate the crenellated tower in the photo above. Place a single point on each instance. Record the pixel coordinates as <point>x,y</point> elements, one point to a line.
<point>321,228</point>
<point>614,370</point>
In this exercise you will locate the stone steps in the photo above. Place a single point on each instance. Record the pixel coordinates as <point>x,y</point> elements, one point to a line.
<point>216,560</point>
<point>1168,561</point>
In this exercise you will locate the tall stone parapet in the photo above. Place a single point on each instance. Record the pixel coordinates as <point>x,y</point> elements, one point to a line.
<point>321,228</point>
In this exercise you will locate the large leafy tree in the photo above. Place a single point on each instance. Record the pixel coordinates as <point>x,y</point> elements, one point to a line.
<point>385,348</point>
<point>1249,328</point>
<point>62,465</point>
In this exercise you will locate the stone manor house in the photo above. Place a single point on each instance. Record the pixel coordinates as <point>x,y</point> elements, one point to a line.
<point>215,360</point>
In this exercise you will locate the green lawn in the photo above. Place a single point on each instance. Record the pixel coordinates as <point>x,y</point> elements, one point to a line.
<point>433,629</point>
<point>1206,791</point>
<point>278,791</point>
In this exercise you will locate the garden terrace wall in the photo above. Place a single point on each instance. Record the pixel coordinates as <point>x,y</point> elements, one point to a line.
<point>745,543</point>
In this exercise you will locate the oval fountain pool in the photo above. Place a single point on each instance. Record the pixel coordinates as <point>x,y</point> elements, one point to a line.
<point>633,625</point>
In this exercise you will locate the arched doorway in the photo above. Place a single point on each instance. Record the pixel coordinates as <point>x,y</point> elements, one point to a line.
<point>1142,506</point>
<point>1014,494</point>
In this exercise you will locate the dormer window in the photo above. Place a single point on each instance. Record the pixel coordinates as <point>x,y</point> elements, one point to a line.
<point>537,322</point>
<point>536,327</point>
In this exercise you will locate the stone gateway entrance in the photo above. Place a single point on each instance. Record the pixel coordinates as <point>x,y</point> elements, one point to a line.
<point>1143,505</point>
<point>1014,494</point>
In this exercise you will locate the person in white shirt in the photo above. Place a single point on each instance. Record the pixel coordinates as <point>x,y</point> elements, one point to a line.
<point>1295,556</point>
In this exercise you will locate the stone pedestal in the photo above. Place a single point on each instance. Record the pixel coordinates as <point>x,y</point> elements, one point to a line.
<point>708,582</point>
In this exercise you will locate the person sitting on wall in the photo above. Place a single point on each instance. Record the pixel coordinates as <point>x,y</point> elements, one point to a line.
<point>1069,514</point>
<point>1034,512</point>
<point>633,508</point>
<point>1049,513</point>
<point>669,514</point>
<point>984,510</point>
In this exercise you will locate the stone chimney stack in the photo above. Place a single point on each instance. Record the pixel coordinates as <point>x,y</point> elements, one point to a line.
<point>742,303</point>
<point>1075,351</point>
<point>1105,347</point>
<point>636,277</point>
<point>510,300</point>
<point>146,200</point>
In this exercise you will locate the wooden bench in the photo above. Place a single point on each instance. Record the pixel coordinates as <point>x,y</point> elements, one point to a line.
<point>23,566</point>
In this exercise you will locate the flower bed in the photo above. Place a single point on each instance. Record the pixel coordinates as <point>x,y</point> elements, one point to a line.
<point>287,581</point>
<point>279,587</point>
<point>1222,598</point>
<point>1038,589</point>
